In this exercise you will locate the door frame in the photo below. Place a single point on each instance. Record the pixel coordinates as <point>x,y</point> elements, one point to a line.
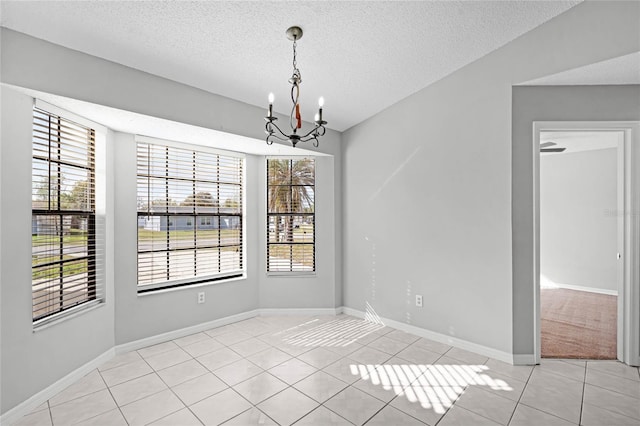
<point>628,336</point>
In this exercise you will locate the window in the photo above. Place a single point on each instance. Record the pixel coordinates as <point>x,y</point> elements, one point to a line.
<point>63,227</point>
<point>189,215</point>
<point>291,231</point>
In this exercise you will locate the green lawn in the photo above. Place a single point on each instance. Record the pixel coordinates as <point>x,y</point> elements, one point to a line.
<point>297,252</point>
<point>68,268</point>
<point>74,237</point>
<point>145,234</point>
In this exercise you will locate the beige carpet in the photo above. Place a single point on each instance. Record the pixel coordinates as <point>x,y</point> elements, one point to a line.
<point>578,324</point>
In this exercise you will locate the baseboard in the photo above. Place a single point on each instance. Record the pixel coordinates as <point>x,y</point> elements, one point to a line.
<point>588,289</point>
<point>438,337</point>
<point>353,312</point>
<point>301,311</point>
<point>175,334</point>
<point>26,407</point>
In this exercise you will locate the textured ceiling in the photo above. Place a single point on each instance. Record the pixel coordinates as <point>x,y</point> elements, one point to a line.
<point>361,56</point>
<point>621,70</point>
<point>578,141</point>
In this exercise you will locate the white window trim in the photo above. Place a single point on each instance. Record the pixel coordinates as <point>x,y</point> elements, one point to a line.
<point>290,274</point>
<point>175,285</point>
<point>100,214</point>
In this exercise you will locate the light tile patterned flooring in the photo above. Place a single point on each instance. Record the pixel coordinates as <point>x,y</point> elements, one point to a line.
<point>337,371</point>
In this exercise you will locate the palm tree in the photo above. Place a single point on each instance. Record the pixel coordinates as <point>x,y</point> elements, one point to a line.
<point>290,184</point>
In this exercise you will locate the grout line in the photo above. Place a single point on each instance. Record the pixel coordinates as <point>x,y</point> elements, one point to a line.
<point>248,409</point>
<point>49,408</point>
<point>611,390</point>
<point>535,408</point>
<point>174,394</point>
<point>448,408</point>
<point>114,400</point>
<point>326,408</point>
<point>584,385</point>
<point>302,330</point>
<point>322,405</point>
<point>74,398</point>
<point>249,378</point>
<point>526,383</point>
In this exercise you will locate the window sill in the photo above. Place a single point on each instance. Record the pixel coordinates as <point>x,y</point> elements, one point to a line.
<point>292,274</point>
<point>160,290</point>
<point>55,319</point>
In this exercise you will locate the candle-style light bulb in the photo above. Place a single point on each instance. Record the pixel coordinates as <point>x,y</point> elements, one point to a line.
<point>321,103</point>
<point>270,113</point>
<point>317,117</point>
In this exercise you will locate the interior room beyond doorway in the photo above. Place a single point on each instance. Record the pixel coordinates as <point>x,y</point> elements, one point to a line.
<point>579,239</point>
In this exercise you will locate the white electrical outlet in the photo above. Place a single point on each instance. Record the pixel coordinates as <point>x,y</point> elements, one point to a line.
<point>201,297</point>
<point>418,300</point>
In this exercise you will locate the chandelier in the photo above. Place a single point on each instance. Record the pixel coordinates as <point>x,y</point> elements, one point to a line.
<point>295,121</point>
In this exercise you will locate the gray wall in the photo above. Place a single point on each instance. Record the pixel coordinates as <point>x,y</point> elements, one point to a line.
<point>578,233</point>
<point>52,353</point>
<point>551,103</point>
<point>427,195</point>
<point>142,316</point>
<point>32,360</point>
<point>303,291</point>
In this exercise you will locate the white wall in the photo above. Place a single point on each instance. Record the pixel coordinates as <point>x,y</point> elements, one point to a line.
<point>140,316</point>
<point>52,353</point>
<point>304,291</point>
<point>427,184</point>
<point>32,360</point>
<point>578,233</point>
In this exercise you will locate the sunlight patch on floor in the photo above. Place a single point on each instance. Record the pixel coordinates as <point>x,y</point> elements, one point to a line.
<point>434,387</point>
<point>341,332</point>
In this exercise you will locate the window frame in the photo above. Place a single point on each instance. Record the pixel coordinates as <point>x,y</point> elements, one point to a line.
<point>56,118</point>
<point>292,272</point>
<point>214,278</point>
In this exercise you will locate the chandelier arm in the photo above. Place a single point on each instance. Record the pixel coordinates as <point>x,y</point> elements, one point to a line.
<point>270,125</point>
<point>274,136</point>
<point>313,138</point>
<point>314,131</point>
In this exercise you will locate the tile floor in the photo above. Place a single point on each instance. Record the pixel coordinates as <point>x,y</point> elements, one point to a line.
<point>337,371</point>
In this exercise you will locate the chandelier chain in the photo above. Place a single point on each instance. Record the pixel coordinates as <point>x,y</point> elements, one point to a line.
<point>295,63</point>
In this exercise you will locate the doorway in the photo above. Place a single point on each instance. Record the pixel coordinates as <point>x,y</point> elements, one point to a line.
<point>626,215</point>
<point>580,234</point>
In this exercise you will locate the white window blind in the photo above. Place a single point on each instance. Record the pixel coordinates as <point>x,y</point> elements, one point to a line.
<point>190,216</point>
<point>63,221</point>
<point>291,233</point>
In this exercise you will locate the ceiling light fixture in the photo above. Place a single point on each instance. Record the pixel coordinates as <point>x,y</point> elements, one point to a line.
<point>295,120</point>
